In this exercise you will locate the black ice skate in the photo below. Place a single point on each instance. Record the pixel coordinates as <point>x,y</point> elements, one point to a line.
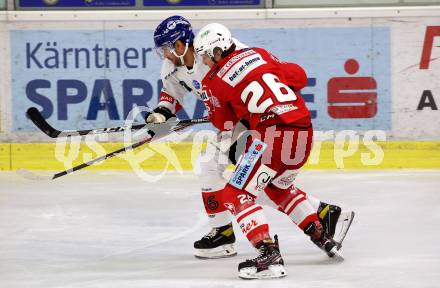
<point>268,264</point>
<point>334,221</point>
<point>218,243</point>
<point>323,240</point>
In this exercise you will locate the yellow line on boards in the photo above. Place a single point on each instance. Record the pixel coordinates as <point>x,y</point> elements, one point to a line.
<point>157,156</point>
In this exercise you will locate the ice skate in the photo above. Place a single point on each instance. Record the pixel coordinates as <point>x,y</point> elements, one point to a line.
<point>323,240</point>
<point>218,243</point>
<point>268,264</point>
<point>335,221</point>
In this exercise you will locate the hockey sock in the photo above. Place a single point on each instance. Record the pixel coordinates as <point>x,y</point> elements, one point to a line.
<point>295,204</point>
<point>249,215</point>
<point>314,202</point>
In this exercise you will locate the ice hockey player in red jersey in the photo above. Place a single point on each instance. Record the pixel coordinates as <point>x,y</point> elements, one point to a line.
<point>183,71</point>
<point>253,85</point>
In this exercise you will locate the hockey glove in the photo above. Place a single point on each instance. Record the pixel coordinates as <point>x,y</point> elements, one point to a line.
<point>159,115</point>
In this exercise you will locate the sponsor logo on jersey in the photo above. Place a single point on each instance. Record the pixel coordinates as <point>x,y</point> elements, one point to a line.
<point>230,207</point>
<point>247,163</point>
<point>285,180</point>
<point>243,173</point>
<point>242,68</point>
<point>258,147</point>
<point>267,117</point>
<point>274,58</point>
<point>206,100</point>
<point>260,180</point>
<point>215,101</point>
<point>281,109</point>
<point>234,60</point>
<point>196,84</point>
<point>170,74</point>
<point>166,98</point>
<point>204,96</point>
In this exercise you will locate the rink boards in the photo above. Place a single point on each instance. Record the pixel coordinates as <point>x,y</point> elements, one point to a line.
<point>372,69</point>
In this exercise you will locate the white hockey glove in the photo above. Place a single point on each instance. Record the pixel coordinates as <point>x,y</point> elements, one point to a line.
<point>159,115</point>
<point>155,118</point>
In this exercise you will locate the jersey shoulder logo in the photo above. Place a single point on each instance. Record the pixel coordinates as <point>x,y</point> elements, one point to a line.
<point>215,102</point>
<point>234,60</point>
<point>169,74</point>
<point>196,84</point>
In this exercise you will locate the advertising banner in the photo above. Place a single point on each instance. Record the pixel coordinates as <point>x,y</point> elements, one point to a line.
<point>94,78</point>
<point>89,78</point>
<point>348,70</point>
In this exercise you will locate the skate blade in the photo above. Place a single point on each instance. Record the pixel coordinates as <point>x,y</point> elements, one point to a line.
<point>273,271</point>
<point>345,220</point>
<point>224,251</point>
<point>336,255</point>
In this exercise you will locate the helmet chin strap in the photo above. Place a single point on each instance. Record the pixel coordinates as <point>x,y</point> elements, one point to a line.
<point>181,56</point>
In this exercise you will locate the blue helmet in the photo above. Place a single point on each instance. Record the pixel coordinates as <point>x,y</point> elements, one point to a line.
<point>172,29</point>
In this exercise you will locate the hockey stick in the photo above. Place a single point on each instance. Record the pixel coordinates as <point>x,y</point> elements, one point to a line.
<point>50,131</point>
<point>176,128</point>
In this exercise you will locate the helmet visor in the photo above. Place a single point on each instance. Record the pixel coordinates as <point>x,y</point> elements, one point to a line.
<point>163,50</point>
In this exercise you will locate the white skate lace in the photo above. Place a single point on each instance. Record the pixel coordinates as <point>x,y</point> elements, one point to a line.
<point>262,252</point>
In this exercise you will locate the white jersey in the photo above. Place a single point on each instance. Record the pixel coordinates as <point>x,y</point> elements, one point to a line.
<point>179,80</point>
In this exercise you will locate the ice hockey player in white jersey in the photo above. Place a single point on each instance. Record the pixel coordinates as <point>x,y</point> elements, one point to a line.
<point>182,72</point>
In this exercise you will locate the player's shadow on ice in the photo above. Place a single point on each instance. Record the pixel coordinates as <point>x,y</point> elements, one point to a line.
<point>309,259</point>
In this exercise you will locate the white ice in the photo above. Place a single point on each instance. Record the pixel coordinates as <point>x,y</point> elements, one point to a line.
<point>112,229</point>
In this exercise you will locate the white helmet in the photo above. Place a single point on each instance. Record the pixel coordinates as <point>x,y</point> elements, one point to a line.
<point>211,37</point>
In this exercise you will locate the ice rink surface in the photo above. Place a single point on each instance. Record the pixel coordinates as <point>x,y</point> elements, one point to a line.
<point>96,229</point>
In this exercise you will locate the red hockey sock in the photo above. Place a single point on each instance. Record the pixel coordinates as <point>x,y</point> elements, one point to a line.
<point>249,215</point>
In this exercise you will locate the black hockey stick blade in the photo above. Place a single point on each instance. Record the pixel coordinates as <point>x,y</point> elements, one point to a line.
<point>101,158</point>
<point>41,123</point>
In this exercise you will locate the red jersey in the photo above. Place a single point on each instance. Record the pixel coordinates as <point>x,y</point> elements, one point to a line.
<point>254,85</point>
